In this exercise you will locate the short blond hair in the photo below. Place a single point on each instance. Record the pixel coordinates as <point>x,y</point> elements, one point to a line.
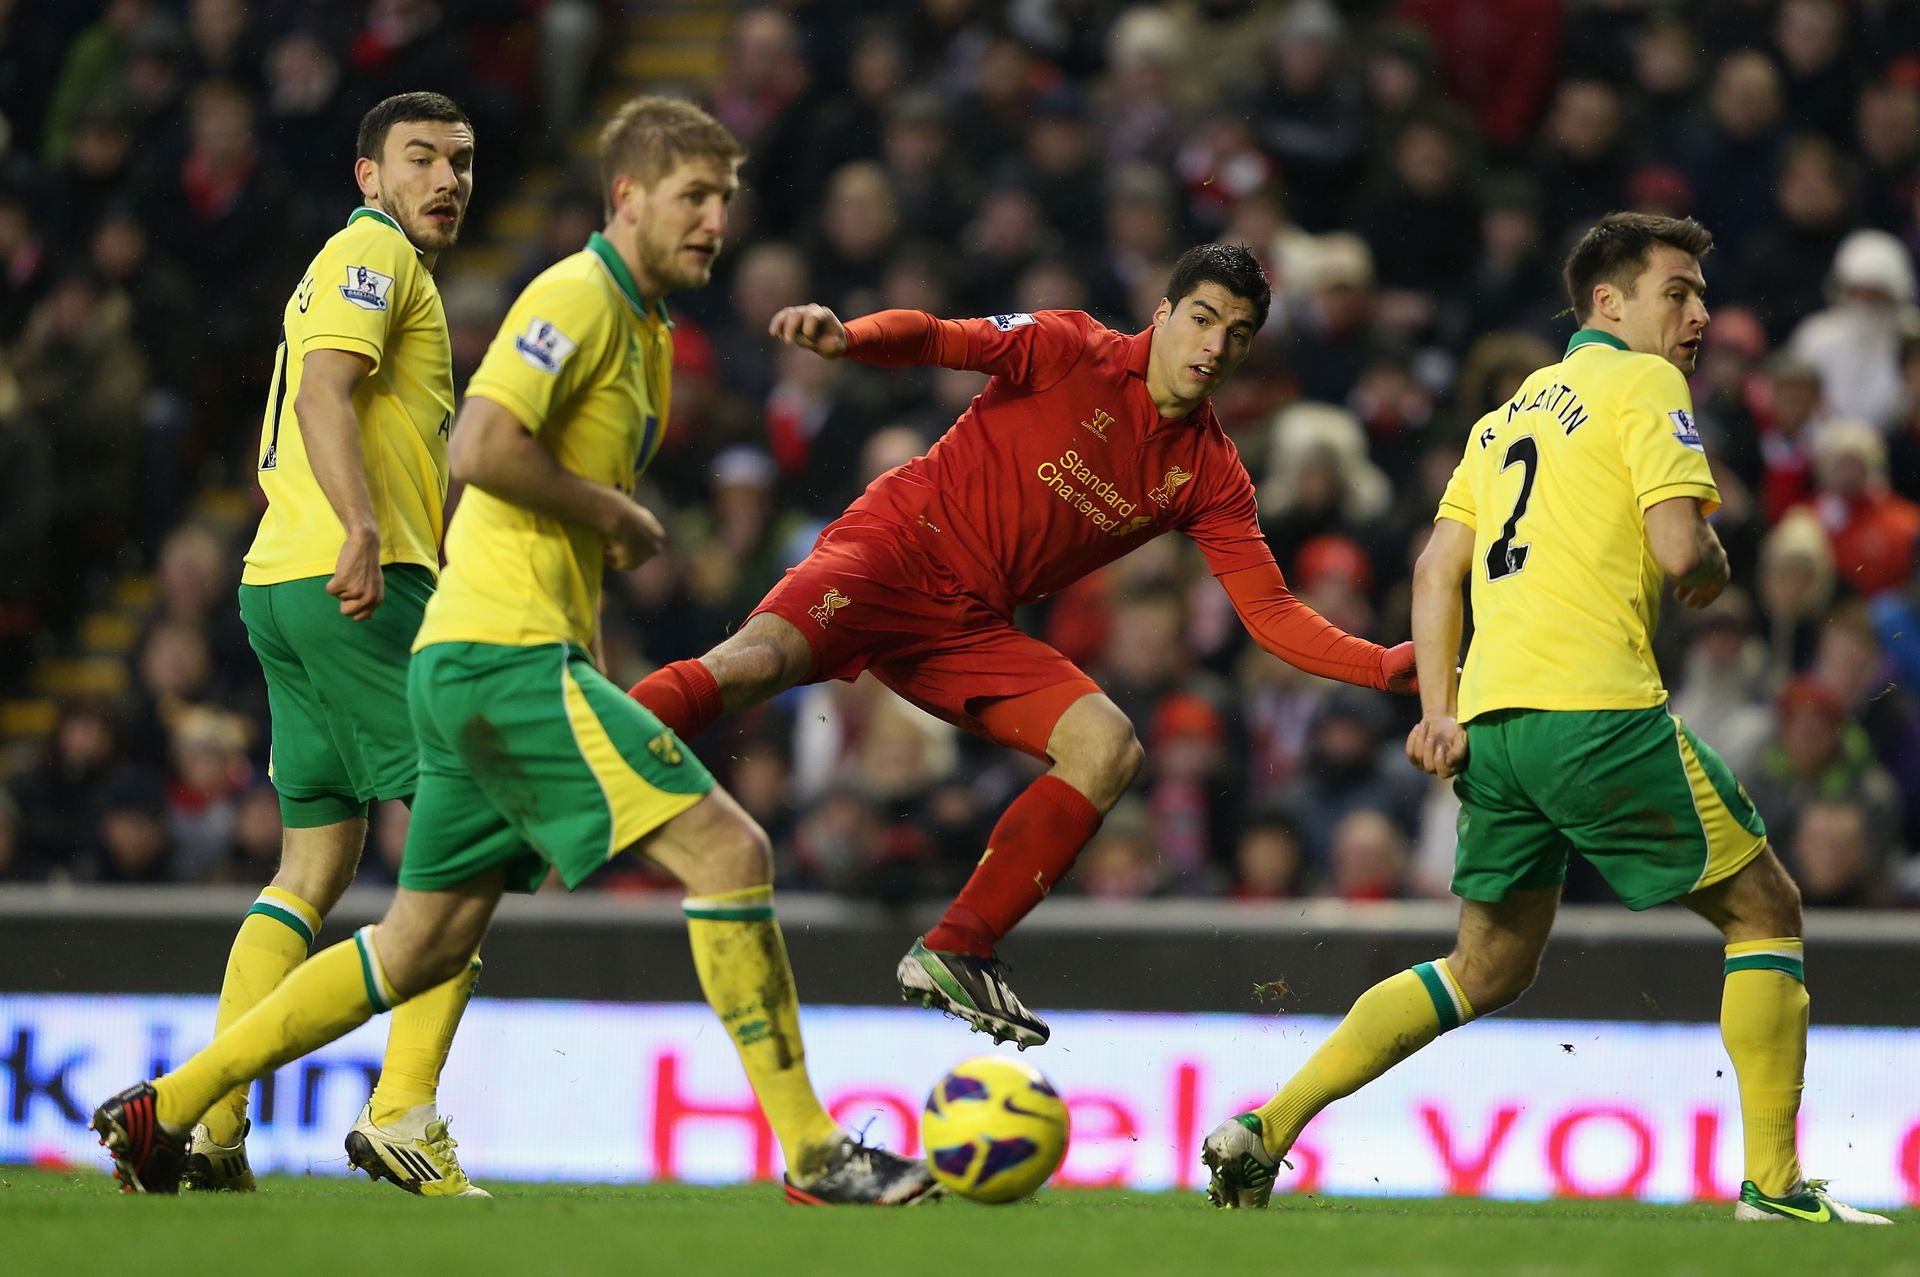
<point>651,136</point>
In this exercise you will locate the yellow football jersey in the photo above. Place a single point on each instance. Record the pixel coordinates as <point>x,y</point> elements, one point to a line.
<point>1555,485</point>
<point>584,363</point>
<point>366,292</point>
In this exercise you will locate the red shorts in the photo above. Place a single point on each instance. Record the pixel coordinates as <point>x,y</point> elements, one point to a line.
<point>869,596</point>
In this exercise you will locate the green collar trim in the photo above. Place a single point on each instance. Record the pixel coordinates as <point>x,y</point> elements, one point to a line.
<point>598,245</point>
<point>1593,337</point>
<point>377,215</point>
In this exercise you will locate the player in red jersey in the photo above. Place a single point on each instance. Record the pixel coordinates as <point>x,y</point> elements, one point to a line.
<point>1085,444</point>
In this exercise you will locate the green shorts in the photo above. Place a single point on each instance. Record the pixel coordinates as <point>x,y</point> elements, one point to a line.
<point>337,690</point>
<point>1641,797</point>
<point>530,758</point>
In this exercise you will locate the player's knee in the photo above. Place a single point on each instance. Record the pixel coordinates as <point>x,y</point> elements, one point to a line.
<point>1492,982</point>
<point>741,857</point>
<point>414,962</point>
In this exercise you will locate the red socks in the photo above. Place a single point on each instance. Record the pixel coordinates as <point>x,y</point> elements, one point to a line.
<point>682,695</point>
<point>1031,848</point>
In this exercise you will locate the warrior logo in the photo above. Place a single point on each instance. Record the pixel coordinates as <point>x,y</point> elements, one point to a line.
<point>1164,493</point>
<point>1101,420</point>
<point>830,602</point>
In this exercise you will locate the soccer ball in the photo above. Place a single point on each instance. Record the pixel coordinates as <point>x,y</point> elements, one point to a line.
<point>994,1129</point>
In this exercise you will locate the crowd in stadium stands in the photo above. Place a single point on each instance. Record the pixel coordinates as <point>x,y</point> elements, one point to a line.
<point>1410,171</point>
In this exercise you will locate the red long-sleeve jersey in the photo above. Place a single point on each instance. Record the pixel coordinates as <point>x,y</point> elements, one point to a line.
<point>1063,464</point>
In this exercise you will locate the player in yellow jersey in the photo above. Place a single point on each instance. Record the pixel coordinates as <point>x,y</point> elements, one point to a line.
<point>531,761</point>
<point>353,461</point>
<point>1577,503</point>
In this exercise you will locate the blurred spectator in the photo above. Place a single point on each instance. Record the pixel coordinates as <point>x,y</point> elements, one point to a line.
<point>569,34</point>
<point>1851,662</point>
<point>1333,337</point>
<point>1810,38</point>
<point>1887,135</point>
<point>1120,862</point>
<point>1731,162</point>
<point>1786,265</point>
<point>174,670</point>
<point>1835,863</point>
<point>1368,858</point>
<point>61,797</point>
<point>210,772</point>
<point>1489,52</point>
<point>1855,342</point>
<point>1268,861</point>
<point>1795,585</point>
<point>101,173</point>
<point>859,223</point>
<point>837,842</point>
<point>78,364</point>
<point>1138,114</point>
<point>1728,388</point>
<point>1219,164</point>
<point>91,71</point>
<point>1722,685</point>
<point>1512,278</point>
<point>1795,410</point>
<point>1309,114</point>
<point>1821,754</point>
<point>933,188</point>
<point>255,853</point>
<point>1352,766</point>
<point>1147,656</point>
<point>1319,482</point>
<point>848,126</point>
<point>1872,529</point>
<point>132,839</point>
<point>1583,167</point>
<point>309,120</point>
<point>1190,792</point>
<point>1666,70</point>
<point>1422,223</point>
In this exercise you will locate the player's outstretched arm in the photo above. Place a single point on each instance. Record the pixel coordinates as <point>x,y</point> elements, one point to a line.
<point>1300,636</point>
<point>492,451</point>
<point>810,327</point>
<point>330,429</point>
<point>1688,549</point>
<point>1438,744</point>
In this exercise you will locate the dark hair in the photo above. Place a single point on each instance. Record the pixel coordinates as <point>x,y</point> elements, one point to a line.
<point>1615,251</point>
<point>1229,265</point>
<point>399,109</point>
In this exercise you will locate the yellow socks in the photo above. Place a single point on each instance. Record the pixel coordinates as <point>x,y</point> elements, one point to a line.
<point>1388,1023</point>
<point>326,997</point>
<point>742,961</point>
<point>274,938</point>
<point>417,1046</point>
<point>1763,1021</point>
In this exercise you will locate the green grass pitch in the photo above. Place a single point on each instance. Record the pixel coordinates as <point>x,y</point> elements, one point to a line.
<point>69,1223</point>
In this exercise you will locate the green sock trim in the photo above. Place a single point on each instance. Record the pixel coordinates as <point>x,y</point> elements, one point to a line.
<point>366,971</point>
<point>1441,995</point>
<point>728,913</point>
<point>286,917</point>
<point>1794,967</point>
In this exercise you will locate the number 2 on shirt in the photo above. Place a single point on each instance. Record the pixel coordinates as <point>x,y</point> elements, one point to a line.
<point>1504,558</point>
